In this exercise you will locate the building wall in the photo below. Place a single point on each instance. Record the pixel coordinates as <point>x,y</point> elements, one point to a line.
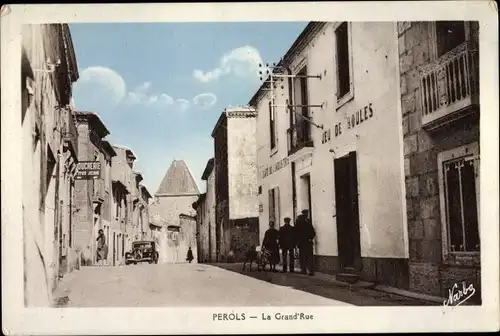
<point>210,216</point>
<point>170,207</point>
<point>242,166</point>
<point>375,80</point>
<point>187,237</point>
<point>83,193</point>
<point>121,227</point>
<point>221,190</point>
<point>45,201</point>
<point>91,199</point>
<point>202,230</point>
<point>430,272</point>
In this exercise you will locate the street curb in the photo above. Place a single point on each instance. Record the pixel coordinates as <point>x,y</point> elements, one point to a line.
<point>369,285</point>
<point>413,295</point>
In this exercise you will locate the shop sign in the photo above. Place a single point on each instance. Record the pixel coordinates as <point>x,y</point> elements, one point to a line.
<point>87,170</point>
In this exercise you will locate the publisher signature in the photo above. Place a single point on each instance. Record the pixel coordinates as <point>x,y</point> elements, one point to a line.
<point>458,295</point>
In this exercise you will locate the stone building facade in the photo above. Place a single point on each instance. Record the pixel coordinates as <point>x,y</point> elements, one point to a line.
<point>104,187</point>
<point>205,217</point>
<point>91,199</point>
<point>48,69</point>
<point>187,238</point>
<point>124,182</point>
<point>236,198</point>
<point>330,141</point>
<point>144,219</point>
<point>175,195</point>
<point>439,67</point>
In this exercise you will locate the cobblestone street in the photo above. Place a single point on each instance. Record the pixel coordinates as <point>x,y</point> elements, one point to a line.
<point>184,284</point>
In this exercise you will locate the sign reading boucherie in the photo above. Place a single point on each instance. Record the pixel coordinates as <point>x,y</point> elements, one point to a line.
<point>88,170</point>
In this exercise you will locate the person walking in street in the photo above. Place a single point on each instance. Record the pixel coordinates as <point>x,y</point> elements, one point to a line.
<point>102,248</point>
<point>190,255</point>
<point>270,243</point>
<point>287,244</point>
<point>305,235</point>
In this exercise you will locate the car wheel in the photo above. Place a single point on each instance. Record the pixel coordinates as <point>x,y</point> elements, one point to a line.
<point>135,262</point>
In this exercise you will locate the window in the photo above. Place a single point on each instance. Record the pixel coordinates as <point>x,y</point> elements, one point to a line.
<point>301,93</point>
<point>343,60</point>
<point>272,124</point>
<point>118,203</point>
<point>459,190</point>
<point>301,134</point>
<point>50,167</point>
<point>260,190</point>
<point>449,35</point>
<point>274,205</point>
<point>123,245</point>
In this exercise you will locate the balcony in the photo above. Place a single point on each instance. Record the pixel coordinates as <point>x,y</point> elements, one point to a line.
<point>299,136</point>
<point>450,86</point>
<point>69,131</point>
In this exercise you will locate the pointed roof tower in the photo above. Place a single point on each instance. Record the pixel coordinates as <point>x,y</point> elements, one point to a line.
<point>178,181</point>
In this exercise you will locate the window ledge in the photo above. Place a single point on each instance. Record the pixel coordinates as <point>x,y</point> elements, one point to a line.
<point>274,150</point>
<point>344,99</point>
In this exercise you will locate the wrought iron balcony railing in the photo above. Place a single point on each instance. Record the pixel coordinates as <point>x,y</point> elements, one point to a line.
<point>449,85</point>
<point>299,136</point>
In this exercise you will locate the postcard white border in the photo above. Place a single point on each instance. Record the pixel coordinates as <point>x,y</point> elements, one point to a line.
<point>19,320</point>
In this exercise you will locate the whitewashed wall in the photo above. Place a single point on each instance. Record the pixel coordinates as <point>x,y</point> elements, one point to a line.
<point>377,141</point>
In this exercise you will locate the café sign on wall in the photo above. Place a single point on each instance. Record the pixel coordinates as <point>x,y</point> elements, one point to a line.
<point>274,168</point>
<point>88,170</point>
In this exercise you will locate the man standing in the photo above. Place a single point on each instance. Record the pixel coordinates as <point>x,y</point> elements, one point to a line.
<point>305,234</point>
<point>102,249</point>
<point>287,244</point>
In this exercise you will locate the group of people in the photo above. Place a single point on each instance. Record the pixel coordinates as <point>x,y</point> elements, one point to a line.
<point>287,238</point>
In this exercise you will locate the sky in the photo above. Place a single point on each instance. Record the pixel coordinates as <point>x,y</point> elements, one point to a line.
<point>160,87</point>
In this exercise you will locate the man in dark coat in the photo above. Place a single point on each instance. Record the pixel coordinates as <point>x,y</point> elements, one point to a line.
<point>287,244</point>
<point>305,234</point>
<point>102,248</point>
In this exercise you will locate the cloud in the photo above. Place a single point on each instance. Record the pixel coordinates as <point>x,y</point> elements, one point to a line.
<point>242,62</point>
<point>205,99</point>
<point>99,87</point>
<point>141,95</point>
<point>183,104</point>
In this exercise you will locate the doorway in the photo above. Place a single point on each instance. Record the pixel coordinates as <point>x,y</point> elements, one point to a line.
<point>346,199</point>
<point>305,192</point>
<point>114,248</point>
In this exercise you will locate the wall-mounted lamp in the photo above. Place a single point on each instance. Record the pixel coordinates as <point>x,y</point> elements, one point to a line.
<point>51,66</point>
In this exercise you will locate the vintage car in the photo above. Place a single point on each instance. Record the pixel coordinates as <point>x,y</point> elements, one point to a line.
<point>144,250</point>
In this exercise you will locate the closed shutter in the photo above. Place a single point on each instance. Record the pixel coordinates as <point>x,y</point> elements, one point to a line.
<point>271,205</point>
<point>277,206</point>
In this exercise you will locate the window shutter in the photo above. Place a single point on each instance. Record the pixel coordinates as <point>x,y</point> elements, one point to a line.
<point>277,207</point>
<point>271,204</point>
